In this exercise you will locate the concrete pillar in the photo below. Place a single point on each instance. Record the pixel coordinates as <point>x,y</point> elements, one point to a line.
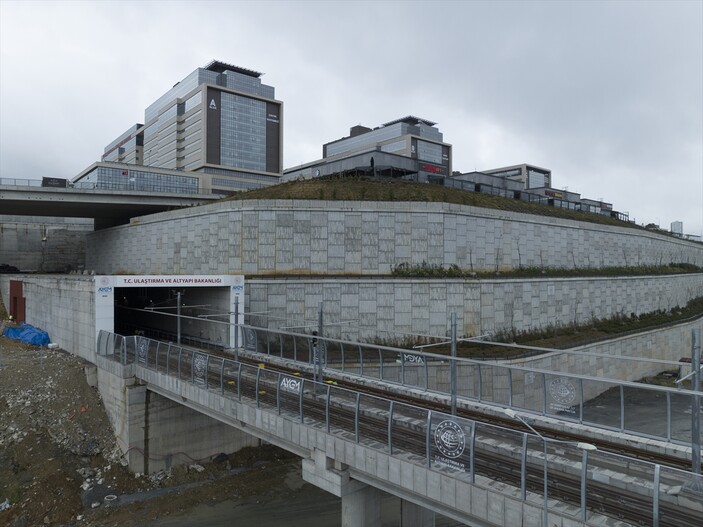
<point>91,375</point>
<point>412,515</point>
<point>362,507</point>
<point>361,503</point>
<point>137,456</point>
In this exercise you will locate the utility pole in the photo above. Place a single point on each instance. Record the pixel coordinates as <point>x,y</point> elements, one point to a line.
<point>696,484</point>
<point>696,404</point>
<point>319,347</point>
<point>178,318</point>
<point>236,328</point>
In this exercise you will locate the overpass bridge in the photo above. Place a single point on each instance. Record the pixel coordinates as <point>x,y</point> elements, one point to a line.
<point>107,207</point>
<point>357,445</point>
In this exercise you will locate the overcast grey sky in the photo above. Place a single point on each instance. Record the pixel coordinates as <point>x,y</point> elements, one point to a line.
<point>608,95</point>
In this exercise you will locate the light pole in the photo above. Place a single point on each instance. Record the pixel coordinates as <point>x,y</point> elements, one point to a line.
<point>585,447</point>
<point>696,407</point>
<point>453,364</point>
<point>320,346</point>
<point>696,484</point>
<point>179,294</point>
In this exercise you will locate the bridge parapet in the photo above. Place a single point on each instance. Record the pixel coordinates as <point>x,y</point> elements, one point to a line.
<point>440,462</point>
<point>532,390</point>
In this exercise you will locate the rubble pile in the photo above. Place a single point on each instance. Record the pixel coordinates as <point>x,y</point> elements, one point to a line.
<point>54,430</point>
<point>60,464</point>
<point>44,406</point>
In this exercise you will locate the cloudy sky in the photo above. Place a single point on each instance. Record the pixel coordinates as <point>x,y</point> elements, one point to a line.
<point>608,95</point>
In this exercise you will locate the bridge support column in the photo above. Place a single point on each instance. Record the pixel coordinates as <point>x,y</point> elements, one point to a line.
<point>412,515</point>
<point>137,456</point>
<point>362,507</point>
<point>361,503</point>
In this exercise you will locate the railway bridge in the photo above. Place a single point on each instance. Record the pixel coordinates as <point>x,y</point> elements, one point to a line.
<point>358,444</point>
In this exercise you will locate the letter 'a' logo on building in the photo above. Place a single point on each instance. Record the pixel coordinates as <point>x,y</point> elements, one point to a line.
<point>213,106</point>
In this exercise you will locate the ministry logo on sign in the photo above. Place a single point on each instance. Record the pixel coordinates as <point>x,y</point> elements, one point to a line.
<point>562,391</point>
<point>450,439</point>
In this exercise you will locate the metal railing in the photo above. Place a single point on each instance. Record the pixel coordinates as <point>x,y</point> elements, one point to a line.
<point>568,397</point>
<point>20,182</point>
<point>460,447</point>
<point>124,187</point>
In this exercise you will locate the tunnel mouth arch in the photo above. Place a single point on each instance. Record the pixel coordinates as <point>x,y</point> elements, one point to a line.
<point>197,308</point>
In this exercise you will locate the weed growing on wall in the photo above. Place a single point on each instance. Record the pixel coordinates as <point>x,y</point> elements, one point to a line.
<point>425,270</point>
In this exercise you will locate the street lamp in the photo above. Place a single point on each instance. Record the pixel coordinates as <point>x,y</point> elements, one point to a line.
<point>696,484</point>
<point>585,447</point>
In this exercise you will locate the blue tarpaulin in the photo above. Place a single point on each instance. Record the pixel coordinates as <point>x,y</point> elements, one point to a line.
<point>28,334</point>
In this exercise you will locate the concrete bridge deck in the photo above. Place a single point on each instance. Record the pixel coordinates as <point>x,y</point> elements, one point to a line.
<point>107,207</point>
<point>434,462</point>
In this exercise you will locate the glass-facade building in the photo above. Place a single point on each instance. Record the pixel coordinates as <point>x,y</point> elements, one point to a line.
<point>123,176</point>
<point>127,148</point>
<point>409,147</point>
<point>409,137</point>
<point>220,119</point>
<point>530,175</point>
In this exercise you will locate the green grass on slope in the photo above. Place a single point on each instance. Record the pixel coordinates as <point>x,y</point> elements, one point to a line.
<point>369,189</point>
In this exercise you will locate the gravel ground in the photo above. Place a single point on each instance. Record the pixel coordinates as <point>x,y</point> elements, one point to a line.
<point>59,458</point>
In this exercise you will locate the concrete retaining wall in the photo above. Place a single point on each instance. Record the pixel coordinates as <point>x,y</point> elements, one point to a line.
<point>387,308</point>
<point>64,306</point>
<point>380,307</point>
<point>45,245</point>
<point>341,237</point>
<point>116,384</point>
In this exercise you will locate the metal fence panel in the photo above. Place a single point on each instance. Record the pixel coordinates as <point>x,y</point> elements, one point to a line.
<point>342,410</point>
<point>409,429</point>
<point>373,419</point>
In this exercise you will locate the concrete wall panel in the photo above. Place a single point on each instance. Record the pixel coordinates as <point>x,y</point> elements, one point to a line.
<point>46,245</point>
<point>283,236</point>
<point>390,307</point>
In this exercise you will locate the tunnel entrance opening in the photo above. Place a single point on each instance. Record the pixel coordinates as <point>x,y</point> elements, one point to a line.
<point>197,310</point>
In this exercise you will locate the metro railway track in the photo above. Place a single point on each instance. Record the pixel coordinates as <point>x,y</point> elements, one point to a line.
<point>624,505</point>
<point>476,415</point>
<point>467,413</point>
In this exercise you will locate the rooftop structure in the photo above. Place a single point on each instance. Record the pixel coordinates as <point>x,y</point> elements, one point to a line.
<point>398,148</point>
<point>529,175</point>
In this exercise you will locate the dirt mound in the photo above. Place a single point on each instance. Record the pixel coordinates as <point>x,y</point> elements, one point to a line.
<point>53,425</point>
<point>59,458</point>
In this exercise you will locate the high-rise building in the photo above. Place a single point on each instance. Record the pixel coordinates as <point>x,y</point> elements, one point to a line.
<point>409,136</point>
<point>405,147</point>
<point>127,148</point>
<point>220,120</point>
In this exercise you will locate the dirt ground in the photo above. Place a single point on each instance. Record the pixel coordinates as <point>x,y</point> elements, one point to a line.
<point>59,458</point>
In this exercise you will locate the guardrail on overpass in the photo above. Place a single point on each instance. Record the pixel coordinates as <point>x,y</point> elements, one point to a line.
<point>109,207</point>
<point>441,462</point>
<point>533,391</point>
<point>125,187</point>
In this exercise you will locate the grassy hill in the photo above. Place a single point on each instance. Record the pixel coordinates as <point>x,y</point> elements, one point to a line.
<point>369,189</point>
